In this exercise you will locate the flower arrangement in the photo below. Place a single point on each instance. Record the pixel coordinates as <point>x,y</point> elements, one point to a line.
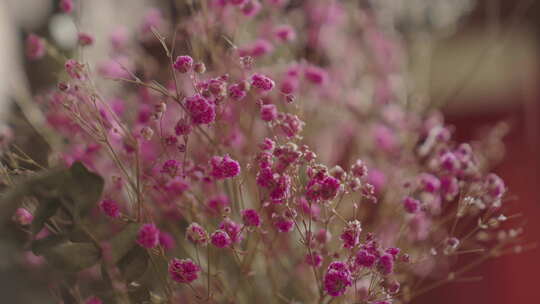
<point>251,150</point>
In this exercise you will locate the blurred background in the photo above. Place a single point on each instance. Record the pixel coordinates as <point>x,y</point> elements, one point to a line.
<point>484,71</point>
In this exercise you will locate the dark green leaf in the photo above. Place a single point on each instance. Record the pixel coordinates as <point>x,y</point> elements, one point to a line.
<point>66,255</point>
<point>123,242</point>
<point>82,190</point>
<point>134,264</point>
<point>44,211</point>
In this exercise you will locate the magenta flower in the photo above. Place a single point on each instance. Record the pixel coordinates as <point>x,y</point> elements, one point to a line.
<point>337,278</point>
<point>110,208</point>
<point>251,217</point>
<point>224,167</point>
<point>196,234</point>
<point>183,64</point>
<point>35,47</point>
<point>220,239</point>
<point>148,236</point>
<point>183,271</point>
<point>200,109</point>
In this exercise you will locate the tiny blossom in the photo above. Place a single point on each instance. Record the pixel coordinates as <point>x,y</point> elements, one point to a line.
<point>183,64</point>
<point>233,229</point>
<point>237,92</point>
<point>411,205</point>
<point>495,186</point>
<point>85,39</point>
<point>220,239</point>
<point>35,47</point>
<point>196,234</point>
<point>258,48</point>
<point>262,82</point>
<point>75,69</point>
<point>285,33</point>
<point>183,271</point>
<point>23,217</point>
<point>110,208</point>
<point>429,182</point>
<point>224,167</point>
<point>323,236</point>
<point>199,67</point>
<point>251,217</point>
<point>449,162</point>
<point>337,278</point>
<point>289,85</point>
<point>147,133</point>
<point>282,223</point>
<point>148,236</point>
<point>66,6</point>
<point>386,264</point>
<point>166,240</point>
<point>351,234</point>
<point>359,169</point>
<point>315,75</point>
<point>365,258</point>
<point>314,259</point>
<point>200,109</point>
<point>251,8</point>
<point>267,144</point>
<point>182,127</point>
<point>170,167</point>
<point>268,112</point>
<point>217,203</point>
<point>281,188</point>
<point>93,300</point>
<point>291,125</point>
<point>176,186</point>
<point>325,188</point>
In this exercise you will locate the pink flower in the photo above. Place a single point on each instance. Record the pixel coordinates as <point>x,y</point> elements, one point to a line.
<point>351,234</point>
<point>85,39</point>
<point>35,47</point>
<point>251,8</point>
<point>285,33</point>
<point>262,82</point>
<point>166,240</point>
<point>224,167</point>
<point>233,229</point>
<point>196,234</point>
<point>337,278</point>
<point>365,258</point>
<point>200,109</point>
<point>23,217</point>
<point>93,300</point>
<point>251,217</point>
<point>183,64</point>
<point>411,205</point>
<point>315,75</point>
<point>183,271</point>
<point>182,127</point>
<point>148,236</point>
<point>110,208</point>
<point>386,264</point>
<point>75,69</point>
<point>66,6</point>
<point>217,203</point>
<point>269,112</point>
<point>220,239</point>
<point>314,259</point>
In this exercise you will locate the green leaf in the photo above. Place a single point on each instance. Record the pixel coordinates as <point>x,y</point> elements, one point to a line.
<point>123,242</point>
<point>82,189</point>
<point>44,211</point>
<point>66,255</point>
<point>134,264</point>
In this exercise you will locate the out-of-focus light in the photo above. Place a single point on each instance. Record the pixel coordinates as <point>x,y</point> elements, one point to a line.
<point>63,31</point>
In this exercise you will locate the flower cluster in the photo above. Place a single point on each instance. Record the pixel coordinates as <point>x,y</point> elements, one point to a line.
<point>248,152</point>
